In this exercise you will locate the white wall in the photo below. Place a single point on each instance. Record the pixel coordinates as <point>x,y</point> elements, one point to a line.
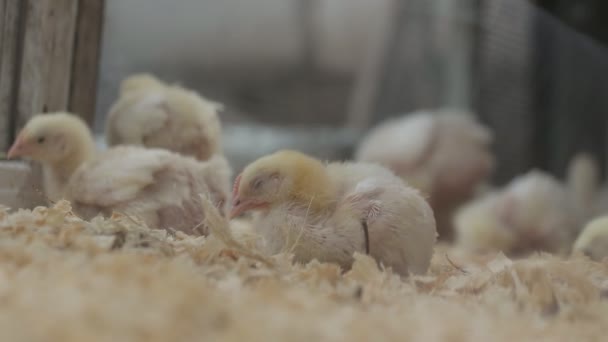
<point>236,39</point>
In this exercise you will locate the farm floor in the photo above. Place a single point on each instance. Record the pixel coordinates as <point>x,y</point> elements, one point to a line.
<point>64,279</point>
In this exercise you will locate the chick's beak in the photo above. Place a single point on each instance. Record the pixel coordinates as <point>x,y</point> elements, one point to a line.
<point>18,148</point>
<point>240,206</point>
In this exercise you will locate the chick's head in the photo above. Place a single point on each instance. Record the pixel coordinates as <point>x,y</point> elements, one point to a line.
<point>593,240</point>
<point>138,82</point>
<point>285,176</point>
<point>51,138</point>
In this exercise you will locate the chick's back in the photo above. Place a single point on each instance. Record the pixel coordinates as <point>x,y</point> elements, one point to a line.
<point>169,117</point>
<point>400,222</point>
<point>158,186</point>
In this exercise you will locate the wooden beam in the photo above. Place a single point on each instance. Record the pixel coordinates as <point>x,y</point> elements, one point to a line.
<point>10,17</point>
<point>85,68</point>
<point>47,57</point>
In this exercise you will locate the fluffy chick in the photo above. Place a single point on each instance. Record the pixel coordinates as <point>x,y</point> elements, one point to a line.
<point>534,212</point>
<point>329,211</point>
<point>156,185</point>
<point>140,82</point>
<point>156,115</point>
<point>593,240</point>
<point>480,228</point>
<point>444,153</point>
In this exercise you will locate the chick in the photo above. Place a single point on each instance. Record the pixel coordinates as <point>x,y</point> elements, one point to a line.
<point>329,211</point>
<point>593,240</point>
<point>480,229</point>
<point>140,82</point>
<point>156,185</point>
<point>152,114</point>
<point>534,212</point>
<point>444,153</point>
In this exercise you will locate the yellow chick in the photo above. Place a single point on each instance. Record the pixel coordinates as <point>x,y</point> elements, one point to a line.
<point>156,115</point>
<point>329,211</point>
<point>593,240</point>
<point>480,229</point>
<point>156,185</point>
<point>443,153</point>
<point>140,82</point>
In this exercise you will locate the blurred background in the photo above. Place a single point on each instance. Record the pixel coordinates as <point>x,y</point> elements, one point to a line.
<point>313,73</point>
<point>317,74</point>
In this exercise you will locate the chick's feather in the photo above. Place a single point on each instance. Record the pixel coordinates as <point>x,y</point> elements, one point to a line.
<point>160,187</point>
<point>400,224</point>
<point>593,239</point>
<point>533,212</point>
<point>444,153</point>
<point>165,116</point>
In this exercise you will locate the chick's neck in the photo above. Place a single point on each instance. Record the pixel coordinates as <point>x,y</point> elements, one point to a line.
<point>82,151</point>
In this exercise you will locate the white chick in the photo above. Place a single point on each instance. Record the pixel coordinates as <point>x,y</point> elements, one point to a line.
<point>444,153</point>
<point>156,185</point>
<point>152,114</point>
<point>328,212</point>
<point>534,212</point>
<point>593,240</point>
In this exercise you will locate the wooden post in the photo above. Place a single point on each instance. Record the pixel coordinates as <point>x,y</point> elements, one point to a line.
<point>85,67</point>
<point>10,36</point>
<point>49,59</point>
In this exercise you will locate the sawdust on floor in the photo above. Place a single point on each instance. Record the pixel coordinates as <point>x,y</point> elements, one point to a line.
<point>64,279</point>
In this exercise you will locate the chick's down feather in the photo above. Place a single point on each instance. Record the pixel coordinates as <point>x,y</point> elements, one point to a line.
<point>337,209</point>
<point>161,187</point>
<point>443,153</point>
<point>154,114</point>
<point>158,186</point>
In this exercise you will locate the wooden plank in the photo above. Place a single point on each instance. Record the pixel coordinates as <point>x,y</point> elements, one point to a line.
<point>10,17</point>
<point>47,57</point>
<point>87,49</point>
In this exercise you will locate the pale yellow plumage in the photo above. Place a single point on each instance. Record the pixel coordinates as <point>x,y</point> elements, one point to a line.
<point>156,185</point>
<point>153,114</point>
<point>318,211</point>
<point>593,240</point>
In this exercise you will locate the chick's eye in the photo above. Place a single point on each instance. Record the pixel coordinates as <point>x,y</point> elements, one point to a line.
<point>257,184</point>
<point>40,140</point>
